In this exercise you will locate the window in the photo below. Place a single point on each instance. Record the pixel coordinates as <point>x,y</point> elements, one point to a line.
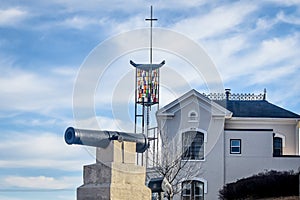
<point>193,116</point>
<point>192,190</point>
<point>186,191</point>
<point>277,146</point>
<point>193,145</point>
<point>235,146</point>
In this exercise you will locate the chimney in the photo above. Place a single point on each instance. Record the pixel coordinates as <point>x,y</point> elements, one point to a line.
<point>265,94</point>
<point>227,93</point>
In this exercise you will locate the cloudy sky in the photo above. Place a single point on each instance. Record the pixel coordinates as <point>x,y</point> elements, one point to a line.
<point>44,44</point>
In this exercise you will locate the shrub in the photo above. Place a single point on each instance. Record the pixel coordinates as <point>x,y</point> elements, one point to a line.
<point>262,185</point>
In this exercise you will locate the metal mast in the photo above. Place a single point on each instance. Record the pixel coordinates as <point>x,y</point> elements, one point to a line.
<point>151,19</point>
<point>147,89</point>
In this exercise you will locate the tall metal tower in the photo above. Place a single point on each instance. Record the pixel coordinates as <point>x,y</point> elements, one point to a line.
<point>146,91</point>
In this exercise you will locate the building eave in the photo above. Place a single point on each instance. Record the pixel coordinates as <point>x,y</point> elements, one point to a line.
<point>214,107</point>
<point>262,120</point>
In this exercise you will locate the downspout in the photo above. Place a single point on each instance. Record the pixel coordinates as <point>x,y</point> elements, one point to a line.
<point>227,96</point>
<point>298,136</point>
<point>224,156</point>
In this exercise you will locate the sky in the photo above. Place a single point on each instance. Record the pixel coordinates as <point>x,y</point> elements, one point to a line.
<point>45,45</point>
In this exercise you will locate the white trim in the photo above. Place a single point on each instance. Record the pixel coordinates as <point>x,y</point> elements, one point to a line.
<point>205,141</point>
<point>249,120</point>
<point>213,107</point>
<point>166,116</point>
<point>195,129</point>
<point>193,111</point>
<point>282,137</point>
<point>184,160</point>
<point>196,117</point>
<point>231,146</point>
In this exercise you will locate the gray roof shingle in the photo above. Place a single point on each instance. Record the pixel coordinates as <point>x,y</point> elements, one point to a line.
<point>258,108</point>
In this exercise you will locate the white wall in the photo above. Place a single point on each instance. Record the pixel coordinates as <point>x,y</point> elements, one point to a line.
<point>256,155</point>
<point>256,147</point>
<point>210,122</point>
<point>285,127</point>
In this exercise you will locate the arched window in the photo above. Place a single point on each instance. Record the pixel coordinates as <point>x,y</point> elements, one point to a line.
<point>192,145</point>
<point>192,190</point>
<point>277,146</point>
<point>193,116</point>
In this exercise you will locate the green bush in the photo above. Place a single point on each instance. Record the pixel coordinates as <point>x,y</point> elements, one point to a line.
<point>262,185</point>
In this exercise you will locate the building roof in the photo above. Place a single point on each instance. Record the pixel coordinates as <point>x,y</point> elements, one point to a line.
<point>177,104</point>
<point>256,108</point>
<point>238,105</point>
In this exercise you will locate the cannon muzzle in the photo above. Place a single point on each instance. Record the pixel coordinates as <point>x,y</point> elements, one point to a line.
<point>97,138</point>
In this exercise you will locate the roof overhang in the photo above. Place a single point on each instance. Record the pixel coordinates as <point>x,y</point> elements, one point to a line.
<point>216,110</point>
<point>261,120</point>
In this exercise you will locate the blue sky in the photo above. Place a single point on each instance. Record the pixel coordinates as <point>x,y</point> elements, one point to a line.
<point>43,44</point>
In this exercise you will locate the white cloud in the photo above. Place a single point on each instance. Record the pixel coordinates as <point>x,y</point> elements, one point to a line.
<point>262,25</point>
<point>106,123</point>
<point>292,19</point>
<point>286,94</point>
<point>222,50</point>
<point>42,150</point>
<point>272,75</point>
<point>23,90</point>
<point>274,50</point>
<point>261,58</point>
<point>35,122</point>
<point>55,164</point>
<point>285,2</point>
<point>41,182</point>
<point>181,4</point>
<point>65,71</point>
<point>12,16</point>
<point>270,52</point>
<point>80,22</point>
<point>92,5</point>
<point>131,23</point>
<point>218,21</point>
<point>9,198</point>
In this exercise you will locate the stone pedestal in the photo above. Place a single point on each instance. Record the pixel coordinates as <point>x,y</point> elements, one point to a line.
<point>114,176</point>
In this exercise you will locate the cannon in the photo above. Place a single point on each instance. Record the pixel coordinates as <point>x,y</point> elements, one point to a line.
<point>97,138</point>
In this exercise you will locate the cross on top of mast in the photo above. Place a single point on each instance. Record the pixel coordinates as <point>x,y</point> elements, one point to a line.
<point>151,19</point>
<point>151,16</point>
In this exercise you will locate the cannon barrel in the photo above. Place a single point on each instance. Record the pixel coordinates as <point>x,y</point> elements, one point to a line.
<point>97,138</point>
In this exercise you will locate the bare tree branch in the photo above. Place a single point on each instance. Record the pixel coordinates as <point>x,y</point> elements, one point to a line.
<point>171,166</point>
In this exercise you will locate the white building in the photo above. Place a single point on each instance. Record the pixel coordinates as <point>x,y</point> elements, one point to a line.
<point>221,138</point>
